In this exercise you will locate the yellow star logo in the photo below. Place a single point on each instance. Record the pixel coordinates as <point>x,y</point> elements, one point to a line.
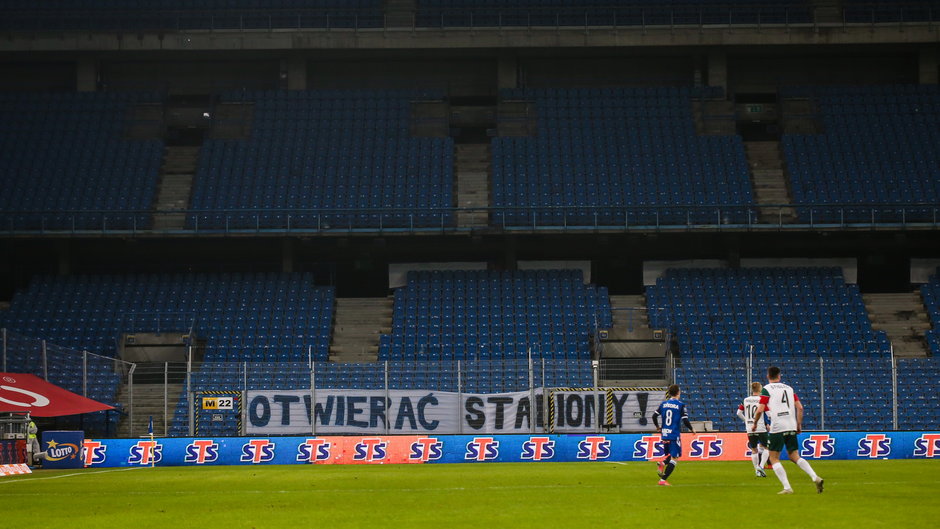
<point>53,444</point>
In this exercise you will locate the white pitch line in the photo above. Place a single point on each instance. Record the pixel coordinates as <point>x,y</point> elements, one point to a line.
<point>86,473</point>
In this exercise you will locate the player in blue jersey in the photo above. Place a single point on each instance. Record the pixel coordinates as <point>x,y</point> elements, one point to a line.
<point>673,413</point>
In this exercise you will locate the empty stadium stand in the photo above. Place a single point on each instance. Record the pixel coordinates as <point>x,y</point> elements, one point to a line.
<point>175,15</point>
<point>807,320</point>
<point>68,164</point>
<point>321,159</point>
<point>618,157</point>
<point>482,315</point>
<point>507,13</point>
<point>876,158</point>
<point>931,295</point>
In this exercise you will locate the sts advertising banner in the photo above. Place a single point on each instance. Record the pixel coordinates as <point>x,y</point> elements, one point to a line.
<point>362,412</point>
<point>418,449</point>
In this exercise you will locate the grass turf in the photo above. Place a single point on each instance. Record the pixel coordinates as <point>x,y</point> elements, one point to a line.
<point>704,494</point>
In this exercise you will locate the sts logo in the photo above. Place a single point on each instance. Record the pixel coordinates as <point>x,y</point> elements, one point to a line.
<point>95,452</point>
<point>874,445</point>
<point>594,448</point>
<point>927,445</point>
<point>706,447</point>
<point>257,451</point>
<point>371,450</point>
<point>426,449</point>
<point>482,449</point>
<point>145,453</point>
<point>313,450</point>
<point>202,451</point>
<point>818,446</point>
<point>538,449</point>
<point>649,447</point>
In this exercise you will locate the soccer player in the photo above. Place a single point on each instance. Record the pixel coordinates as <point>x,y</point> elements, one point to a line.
<point>757,440</point>
<point>786,422</point>
<point>674,416</point>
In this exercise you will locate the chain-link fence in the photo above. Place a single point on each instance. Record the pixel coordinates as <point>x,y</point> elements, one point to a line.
<point>233,398</point>
<point>857,393</point>
<point>90,375</point>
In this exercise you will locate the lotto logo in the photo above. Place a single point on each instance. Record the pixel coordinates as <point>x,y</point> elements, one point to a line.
<point>594,448</point>
<point>818,446</point>
<point>145,453</point>
<point>874,445</point>
<point>95,452</point>
<point>313,450</point>
<point>706,447</point>
<point>538,449</point>
<point>927,445</point>
<point>482,449</point>
<point>371,450</point>
<point>426,449</point>
<point>649,447</point>
<point>257,451</point>
<point>202,451</point>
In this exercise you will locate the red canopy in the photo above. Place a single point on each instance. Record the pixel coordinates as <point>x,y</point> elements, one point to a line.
<point>29,393</point>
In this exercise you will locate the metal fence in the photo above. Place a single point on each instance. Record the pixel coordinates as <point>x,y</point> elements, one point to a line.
<point>858,393</point>
<point>849,393</point>
<point>453,220</point>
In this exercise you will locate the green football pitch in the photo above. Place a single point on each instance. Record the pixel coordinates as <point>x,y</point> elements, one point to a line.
<point>859,494</point>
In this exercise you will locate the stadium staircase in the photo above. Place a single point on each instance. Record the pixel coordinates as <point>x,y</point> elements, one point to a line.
<point>356,329</point>
<point>903,318</point>
<point>148,401</point>
<point>633,356</point>
<point>770,181</point>
<point>175,188</point>
<point>473,171</point>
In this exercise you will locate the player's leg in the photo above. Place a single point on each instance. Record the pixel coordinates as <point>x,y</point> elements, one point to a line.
<point>794,453</point>
<point>764,451</point>
<point>775,446</point>
<point>755,453</point>
<point>675,451</point>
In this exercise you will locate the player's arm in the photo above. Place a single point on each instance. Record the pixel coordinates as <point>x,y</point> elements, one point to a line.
<point>757,415</point>
<point>741,413</point>
<point>687,423</point>
<point>656,421</point>
<point>799,413</point>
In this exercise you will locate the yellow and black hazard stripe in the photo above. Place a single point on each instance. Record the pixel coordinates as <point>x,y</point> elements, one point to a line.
<point>237,409</point>
<point>608,400</point>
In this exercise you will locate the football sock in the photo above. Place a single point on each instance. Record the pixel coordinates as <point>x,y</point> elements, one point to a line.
<point>670,466</point>
<point>804,465</point>
<point>755,459</point>
<point>781,474</point>
<point>764,456</point>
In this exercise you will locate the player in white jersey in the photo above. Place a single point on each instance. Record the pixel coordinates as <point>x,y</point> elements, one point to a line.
<point>786,422</point>
<point>756,440</point>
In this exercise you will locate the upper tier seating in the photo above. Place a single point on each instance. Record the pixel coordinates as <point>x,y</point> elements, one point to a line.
<point>882,11</point>
<point>616,157</point>
<point>482,315</point>
<point>173,15</point>
<point>777,311</point>
<point>242,317</point>
<point>329,149</point>
<point>65,155</point>
<point>879,145</point>
<point>491,13</point>
<point>931,294</point>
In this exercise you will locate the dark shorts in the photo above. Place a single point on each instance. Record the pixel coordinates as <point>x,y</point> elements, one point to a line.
<point>753,439</point>
<point>672,447</point>
<point>779,441</point>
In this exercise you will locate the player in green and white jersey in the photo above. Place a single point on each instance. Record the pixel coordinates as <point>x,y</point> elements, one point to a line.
<point>780,402</point>
<point>756,440</point>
